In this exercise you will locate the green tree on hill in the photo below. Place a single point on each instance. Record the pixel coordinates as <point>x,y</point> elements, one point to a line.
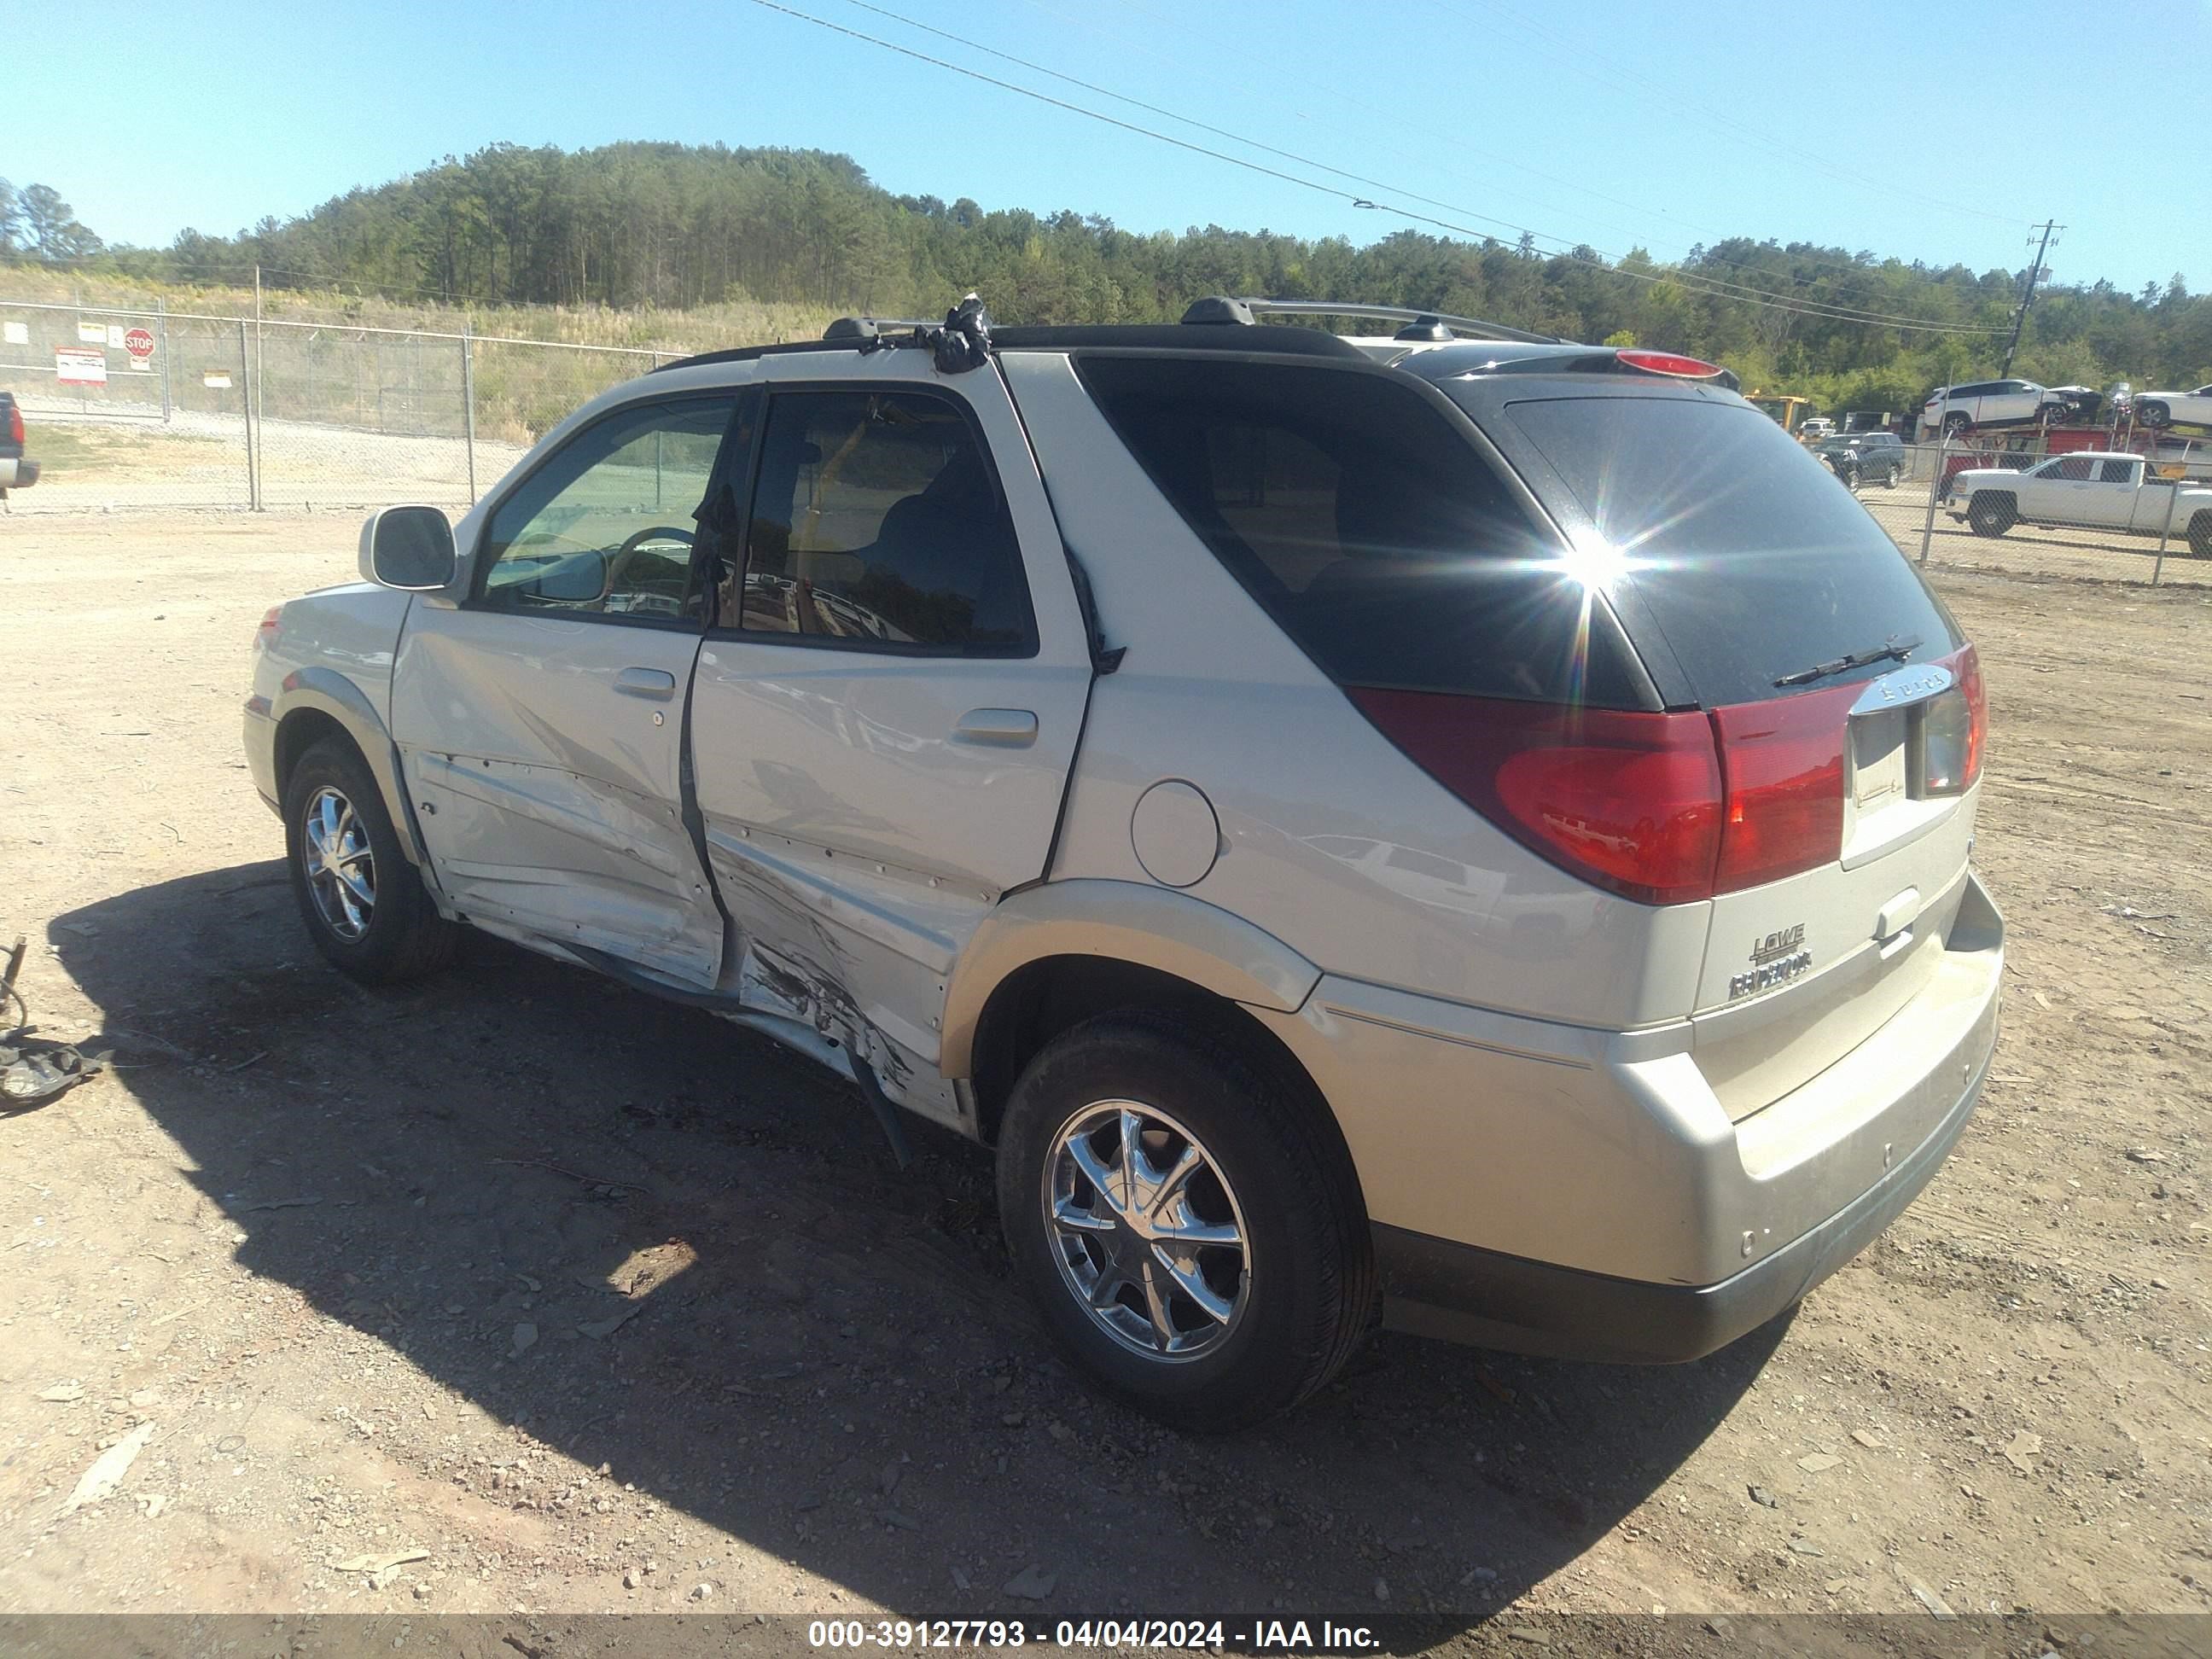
<point>652,226</point>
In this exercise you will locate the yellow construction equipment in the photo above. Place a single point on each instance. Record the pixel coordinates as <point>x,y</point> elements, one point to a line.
<point>1788,412</point>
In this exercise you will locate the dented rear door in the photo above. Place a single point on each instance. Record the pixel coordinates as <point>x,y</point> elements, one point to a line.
<point>887,709</point>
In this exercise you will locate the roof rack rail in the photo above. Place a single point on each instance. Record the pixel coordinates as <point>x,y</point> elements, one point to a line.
<point>1420,324</point>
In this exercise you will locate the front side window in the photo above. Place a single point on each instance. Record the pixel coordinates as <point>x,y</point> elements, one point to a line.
<point>877,522</point>
<point>604,526</point>
<point>2073,468</point>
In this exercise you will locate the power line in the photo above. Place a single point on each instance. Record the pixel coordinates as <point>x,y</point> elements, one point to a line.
<point>1396,118</point>
<point>1719,287</point>
<point>1841,312</point>
<point>1690,282</point>
<point>1429,134</point>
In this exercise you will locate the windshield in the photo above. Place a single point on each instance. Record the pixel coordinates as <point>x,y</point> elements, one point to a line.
<point>1753,562</point>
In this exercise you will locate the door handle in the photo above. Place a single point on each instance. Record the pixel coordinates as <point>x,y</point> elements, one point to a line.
<point>654,683</point>
<point>998,728</point>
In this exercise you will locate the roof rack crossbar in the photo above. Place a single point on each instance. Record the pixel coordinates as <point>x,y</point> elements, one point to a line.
<point>1396,314</point>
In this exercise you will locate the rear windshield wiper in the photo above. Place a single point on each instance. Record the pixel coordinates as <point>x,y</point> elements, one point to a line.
<point>1895,650</point>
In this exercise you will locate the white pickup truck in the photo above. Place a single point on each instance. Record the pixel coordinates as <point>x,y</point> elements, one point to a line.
<point>2094,490</point>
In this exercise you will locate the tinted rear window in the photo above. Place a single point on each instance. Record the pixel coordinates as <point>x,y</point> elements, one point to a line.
<point>1368,525</point>
<point>1753,561</point>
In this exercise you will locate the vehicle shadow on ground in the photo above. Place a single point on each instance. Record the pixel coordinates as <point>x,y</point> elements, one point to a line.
<point>742,1310</point>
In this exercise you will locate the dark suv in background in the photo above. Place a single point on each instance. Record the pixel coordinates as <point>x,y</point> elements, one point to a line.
<point>1864,457</point>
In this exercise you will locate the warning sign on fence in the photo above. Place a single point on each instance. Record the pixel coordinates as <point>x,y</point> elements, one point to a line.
<point>81,368</point>
<point>16,333</point>
<point>92,333</point>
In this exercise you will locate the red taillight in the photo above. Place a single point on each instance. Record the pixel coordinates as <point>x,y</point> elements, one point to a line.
<point>1783,762</point>
<point>15,424</point>
<point>266,636</point>
<point>1968,667</point>
<point>1629,801</point>
<point>1664,809</point>
<point>1671,363</point>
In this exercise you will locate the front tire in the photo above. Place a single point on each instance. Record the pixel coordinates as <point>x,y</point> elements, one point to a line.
<point>1186,1220</point>
<point>1991,515</point>
<point>363,902</point>
<point>2200,535</point>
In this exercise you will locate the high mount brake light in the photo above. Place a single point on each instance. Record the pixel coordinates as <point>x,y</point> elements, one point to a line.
<point>1670,362</point>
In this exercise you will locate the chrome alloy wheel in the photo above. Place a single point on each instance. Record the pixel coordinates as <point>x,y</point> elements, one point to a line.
<point>1145,1229</point>
<point>340,868</point>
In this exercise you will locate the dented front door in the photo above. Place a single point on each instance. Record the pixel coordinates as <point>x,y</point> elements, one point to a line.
<point>540,723</point>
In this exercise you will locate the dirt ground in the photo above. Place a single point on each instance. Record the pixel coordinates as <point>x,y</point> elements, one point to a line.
<point>566,1300</point>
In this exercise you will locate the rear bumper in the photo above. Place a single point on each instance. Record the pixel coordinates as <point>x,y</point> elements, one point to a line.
<point>1574,1191</point>
<point>1435,1287</point>
<point>17,474</point>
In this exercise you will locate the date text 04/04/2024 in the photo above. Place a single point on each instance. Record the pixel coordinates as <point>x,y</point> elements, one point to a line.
<point>1275,1635</point>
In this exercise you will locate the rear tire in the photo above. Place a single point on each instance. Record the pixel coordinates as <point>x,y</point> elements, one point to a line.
<point>1210,1336</point>
<point>2200,535</point>
<point>363,902</point>
<point>1991,515</point>
<point>1890,474</point>
<point>1957,426</point>
<point>2156,416</point>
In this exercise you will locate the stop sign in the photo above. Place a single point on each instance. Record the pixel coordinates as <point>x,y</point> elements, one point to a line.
<point>139,343</point>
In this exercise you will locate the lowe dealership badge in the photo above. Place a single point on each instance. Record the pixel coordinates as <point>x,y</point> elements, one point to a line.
<point>1775,960</point>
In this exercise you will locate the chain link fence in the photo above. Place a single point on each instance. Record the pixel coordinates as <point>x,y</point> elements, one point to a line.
<point>161,408</point>
<point>2105,504</point>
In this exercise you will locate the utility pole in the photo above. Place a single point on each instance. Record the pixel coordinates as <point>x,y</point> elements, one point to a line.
<point>2027,299</point>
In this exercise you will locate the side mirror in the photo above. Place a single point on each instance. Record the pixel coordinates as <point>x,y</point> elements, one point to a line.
<point>407,548</point>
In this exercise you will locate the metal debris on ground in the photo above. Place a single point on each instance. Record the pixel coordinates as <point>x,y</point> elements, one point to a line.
<point>33,1069</point>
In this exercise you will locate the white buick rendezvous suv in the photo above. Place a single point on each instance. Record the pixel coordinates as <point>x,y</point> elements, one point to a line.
<point>1453,828</point>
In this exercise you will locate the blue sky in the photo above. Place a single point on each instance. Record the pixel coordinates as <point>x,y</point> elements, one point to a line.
<point>1921,132</point>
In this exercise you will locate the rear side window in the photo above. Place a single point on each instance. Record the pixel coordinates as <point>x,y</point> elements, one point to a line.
<point>878,524</point>
<point>1749,559</point>
<point>1369,526</point>
<point>2119,472</point>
